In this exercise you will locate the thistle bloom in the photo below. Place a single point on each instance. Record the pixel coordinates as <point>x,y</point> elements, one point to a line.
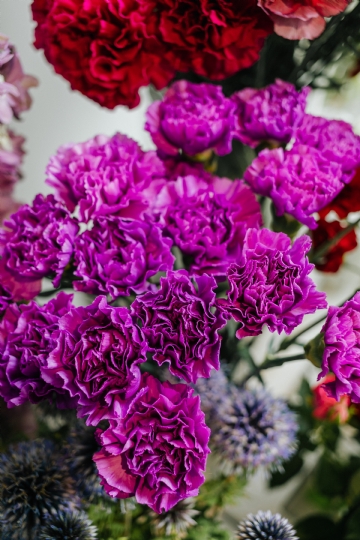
<point>64,525</point>
<point>299,181</point>
<point>270,284</point>
<point>191,118</point>
<point>118,256</point>
<point>38,240</point>
<point>96,359</point>
<point>26,339</point>
<point>180,325</point>
<point>265,526</point>
<point>208,220</point>
<point>103,175</point>
<point>250,429</point>
<point>342,350</point>
<point>158,451</point>
<point>271,113</point>
<point>335,139</point>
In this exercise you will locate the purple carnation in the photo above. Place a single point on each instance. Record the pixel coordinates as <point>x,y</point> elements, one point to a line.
<point>335,139</point>
<point>271,113</point>
<point>96,359</point>
<point>270,284</point>
<point>118,256</point>
<point>158,451</point>
<point>104,176</point>
<point>38,240</point>
<point>181,325</point>
<point>208,221</point>
<point>299,181</point>
<point>342,350</point>
<point>6,298</point>
<point>192,118</point>
<point>27,339</point>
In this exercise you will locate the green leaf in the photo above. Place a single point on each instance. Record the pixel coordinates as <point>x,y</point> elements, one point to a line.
<point>317,527</point>
<point>290,469</point>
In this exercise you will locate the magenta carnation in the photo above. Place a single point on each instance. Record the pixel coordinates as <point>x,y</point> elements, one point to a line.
<point>299,181</point>
<point>118,256</point>
<point>191,118</point>
<point>270,284</point>
<point>26,340</point>
<point>158,451</point>
<point>341,333</point>
<point>208,220</point>
<point>181,324</point>
<point>104,176</point>
<point>38,240</point>
<point>335,139</point>
<point>271,113</point>
<point>96,359</point>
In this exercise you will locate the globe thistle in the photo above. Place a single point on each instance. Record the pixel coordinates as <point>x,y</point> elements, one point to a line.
<point>80,448</point>
<point>68,526</point>
<point>250,428</point>
<point>34,482</point>
<point>265,526</point>
<point>213,393</point>
<point>177,520</point>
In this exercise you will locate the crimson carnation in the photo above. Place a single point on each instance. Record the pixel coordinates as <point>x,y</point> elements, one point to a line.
<point>213,38</point>
<point>270,284</point>
<point>347,201</point>
<point>326,407</point>
<point>325,231</point>
<point>26,341</point>
<point>181,326</point>
<point>301,19</point>
<point>118,257</point>
<point>106,49</point>
<point>158,451</point>
<point>96,359</point>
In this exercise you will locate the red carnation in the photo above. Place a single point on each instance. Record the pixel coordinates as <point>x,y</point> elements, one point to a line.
<point>333,259</point>
<point>213,38</point>
<point>299,19</point>
<point>106,49</point>
<point>347,201</point>
<point>328,408</point>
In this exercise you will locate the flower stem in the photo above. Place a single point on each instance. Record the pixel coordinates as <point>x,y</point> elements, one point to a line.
<point>272,362</point>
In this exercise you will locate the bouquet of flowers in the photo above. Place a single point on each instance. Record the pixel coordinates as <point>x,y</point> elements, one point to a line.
<point>131,298</point>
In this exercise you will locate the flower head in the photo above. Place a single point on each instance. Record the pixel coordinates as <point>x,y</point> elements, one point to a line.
<point>250,429</point>
<point>300,181</point>
<point>26,341</point>
<point>34,482</point>
<point>117,256</point>
<point>96,359</point>
<point>208,220</point>
<point>11,156</point>
<point>192,118</point>
<point>68,525</point>
<point>180,325</point>
<point>158,451</point>
<point>348,200</point>
<point>270,284</point>
<point>271,113</point>
<point>342,350</point>
<point>335,139</point>
<point>177,520</point>
<point>326,407</point>
<point>265,526</point>
<point>38,240</point>
<point>333,259</point>
<point>103,176</point>
<point>6,53</point>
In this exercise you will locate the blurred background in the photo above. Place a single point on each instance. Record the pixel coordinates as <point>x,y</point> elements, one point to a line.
<point>59,116</point>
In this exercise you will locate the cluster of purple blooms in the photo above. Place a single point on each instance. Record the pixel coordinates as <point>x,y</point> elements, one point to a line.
<point>111,230</point>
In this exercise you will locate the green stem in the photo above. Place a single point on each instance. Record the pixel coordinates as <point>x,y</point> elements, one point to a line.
<point>272,362</point>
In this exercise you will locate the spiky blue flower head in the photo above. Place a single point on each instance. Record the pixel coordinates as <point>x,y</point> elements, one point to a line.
<point>68,526</point>
<point>79,450</point>
<point>213,392</point>
<point>266,526</point>
<point>34,481</point>
<point>251,428</point>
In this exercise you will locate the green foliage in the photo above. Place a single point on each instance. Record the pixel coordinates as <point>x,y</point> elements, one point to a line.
<point>317,528</point>
<point>208,529</point>
<point>218,492</point>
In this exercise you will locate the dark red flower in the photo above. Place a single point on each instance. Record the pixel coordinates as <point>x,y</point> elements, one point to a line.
<point>213,38</point>
<point>333,259</point>
<point>301,19</point>
<point>347,201</point>
<point>106,49</point>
